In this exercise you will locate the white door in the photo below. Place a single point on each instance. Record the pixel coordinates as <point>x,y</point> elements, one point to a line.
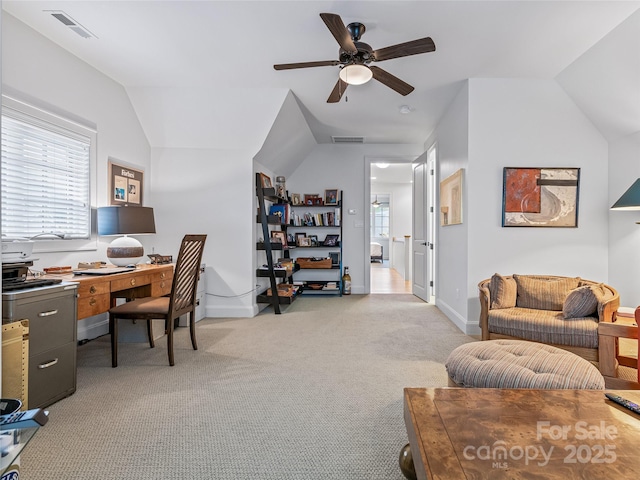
<point>419,247</point>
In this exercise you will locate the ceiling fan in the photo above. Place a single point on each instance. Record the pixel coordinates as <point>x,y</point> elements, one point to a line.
<point>355,57</point>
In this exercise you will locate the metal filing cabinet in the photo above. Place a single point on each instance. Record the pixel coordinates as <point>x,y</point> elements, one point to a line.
<point>52,313</point>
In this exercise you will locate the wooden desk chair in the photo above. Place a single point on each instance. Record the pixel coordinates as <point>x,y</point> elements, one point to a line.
<point>182,300</point>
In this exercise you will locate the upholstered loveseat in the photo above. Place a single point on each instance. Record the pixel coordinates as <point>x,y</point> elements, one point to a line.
<point>560,311</point>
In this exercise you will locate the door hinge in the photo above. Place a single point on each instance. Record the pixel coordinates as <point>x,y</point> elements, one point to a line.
<point>431,172</point>
<point>431,283</point>
<point>431,209</point>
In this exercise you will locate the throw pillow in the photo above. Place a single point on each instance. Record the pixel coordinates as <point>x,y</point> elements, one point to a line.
<point>581,302</point>
<point>542,293</point>
<point>503,291</point>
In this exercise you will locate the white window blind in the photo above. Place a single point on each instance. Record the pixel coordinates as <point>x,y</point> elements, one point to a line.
<point>45,178</point>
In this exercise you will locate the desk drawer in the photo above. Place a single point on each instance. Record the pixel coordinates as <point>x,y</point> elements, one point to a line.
<point>87,289</point>
<point>161,288</point>
<point>93,305</point>
<point>130,282</point>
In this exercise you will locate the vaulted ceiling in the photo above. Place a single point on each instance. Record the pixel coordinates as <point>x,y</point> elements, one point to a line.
<point>200,73</point>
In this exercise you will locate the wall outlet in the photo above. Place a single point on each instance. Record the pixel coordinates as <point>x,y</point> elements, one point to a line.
<point>352,211</point>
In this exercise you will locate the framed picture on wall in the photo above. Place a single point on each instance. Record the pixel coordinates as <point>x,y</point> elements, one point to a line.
<point>540,197</point>
<point>125,184</point>
<point>451,199</point>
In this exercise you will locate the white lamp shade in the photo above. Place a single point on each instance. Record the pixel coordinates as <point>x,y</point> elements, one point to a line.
<point>125,251</point>
<point>356,74</point>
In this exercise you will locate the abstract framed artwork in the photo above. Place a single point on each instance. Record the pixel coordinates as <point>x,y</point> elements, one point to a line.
<point>540,197</point>
<point>451,200</point>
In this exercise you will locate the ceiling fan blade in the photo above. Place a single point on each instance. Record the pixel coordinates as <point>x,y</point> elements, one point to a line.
<point>391,81</point>
<point>336,26</point>
<point>289,66</point>
<point>423,45</point>
<point>337,92</point>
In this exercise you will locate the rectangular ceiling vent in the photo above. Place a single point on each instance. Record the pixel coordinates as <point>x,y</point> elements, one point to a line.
<point>347,139</point>
<point>66,20</point>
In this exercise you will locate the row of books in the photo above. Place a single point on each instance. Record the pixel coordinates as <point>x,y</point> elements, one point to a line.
<point>320,219</point>
<point>324,219</point>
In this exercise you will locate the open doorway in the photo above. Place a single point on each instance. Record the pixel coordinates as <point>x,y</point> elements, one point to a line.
<point>390,219</point>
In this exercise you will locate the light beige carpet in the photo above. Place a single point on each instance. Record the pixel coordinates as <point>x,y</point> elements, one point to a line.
<point>314,393</point>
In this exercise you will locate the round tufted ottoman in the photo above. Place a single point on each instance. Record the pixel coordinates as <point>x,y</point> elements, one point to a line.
<point>520,364</point>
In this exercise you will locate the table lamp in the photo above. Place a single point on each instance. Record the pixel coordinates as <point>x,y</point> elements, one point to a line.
<point>630,200</point>
<point>125,220</point>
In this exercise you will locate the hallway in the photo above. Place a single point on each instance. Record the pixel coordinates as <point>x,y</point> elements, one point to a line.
<point>387,280</point>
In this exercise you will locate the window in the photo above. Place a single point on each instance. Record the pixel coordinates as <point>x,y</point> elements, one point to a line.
<point>380,220</point>
<point>46,174</point>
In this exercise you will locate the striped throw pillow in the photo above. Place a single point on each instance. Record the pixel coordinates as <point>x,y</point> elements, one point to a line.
<point>581,302</point>
<point>503,291</point>
<point>543,293</point>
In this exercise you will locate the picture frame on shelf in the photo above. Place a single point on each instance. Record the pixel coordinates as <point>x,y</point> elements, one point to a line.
<point>279,237</point>
<point>314,240</point>
<point>265,180</point>
<point>299,235</point>
<point>331,196</point>
<point>312,199</point>
<point>295,199</point>
<point>304,242</point>
<point>331,240</point>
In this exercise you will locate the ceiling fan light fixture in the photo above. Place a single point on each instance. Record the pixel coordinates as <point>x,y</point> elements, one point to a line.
<point>356,74</point>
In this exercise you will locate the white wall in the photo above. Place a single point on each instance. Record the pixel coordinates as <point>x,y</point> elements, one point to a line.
<point>624,233</point>
<point>343,167</point>
<point>36,70</point>
<point>209,191</point>
<point>452,241</point>
<point>531,123</point>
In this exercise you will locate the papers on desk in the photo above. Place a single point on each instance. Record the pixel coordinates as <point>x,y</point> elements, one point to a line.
<point>103,271</point>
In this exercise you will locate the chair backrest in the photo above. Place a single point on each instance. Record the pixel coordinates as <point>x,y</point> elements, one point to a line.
<point>185,276</point>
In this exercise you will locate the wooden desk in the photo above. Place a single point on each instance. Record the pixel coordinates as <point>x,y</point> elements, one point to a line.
<point>463,433</point>
<point>96,294</point>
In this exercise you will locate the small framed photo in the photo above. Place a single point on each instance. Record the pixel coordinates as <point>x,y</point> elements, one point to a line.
<point>295,199</point>
<point>299,235</point>
<point>314,240</point>
<point>331,240</point>
<point>279,237</point>
<point>265,180</point>
<point>312,199</point>
<point>305,242</point>
<point>331,196</point>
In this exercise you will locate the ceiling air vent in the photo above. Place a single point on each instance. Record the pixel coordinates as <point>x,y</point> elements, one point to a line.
<point>66,20</point>
<point>347,139</point>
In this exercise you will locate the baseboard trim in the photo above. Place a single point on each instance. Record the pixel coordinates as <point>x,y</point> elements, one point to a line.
<point>93,327</point>
<point>458,320</point>
<point>246,311</point>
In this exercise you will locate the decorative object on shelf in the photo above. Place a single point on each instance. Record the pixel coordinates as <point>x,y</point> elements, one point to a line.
<point>335,259</point>
<point>281,187</point>
<point>304,242</point>
<point>265,180</point>
<point>280,210</point>
<point>314,240</point>
<point>331,196</point>
<point>540,197</point>
<point>346,282</point>
<point>125,220</point>
<point>126,184</point>
<point>451,199</point>
<point>630,200</point>
<point>313,262</point>
<point>295,199</point>
<point>331,240</point>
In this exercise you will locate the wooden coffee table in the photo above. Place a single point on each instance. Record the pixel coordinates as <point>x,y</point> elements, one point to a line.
<point>462,433</point>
